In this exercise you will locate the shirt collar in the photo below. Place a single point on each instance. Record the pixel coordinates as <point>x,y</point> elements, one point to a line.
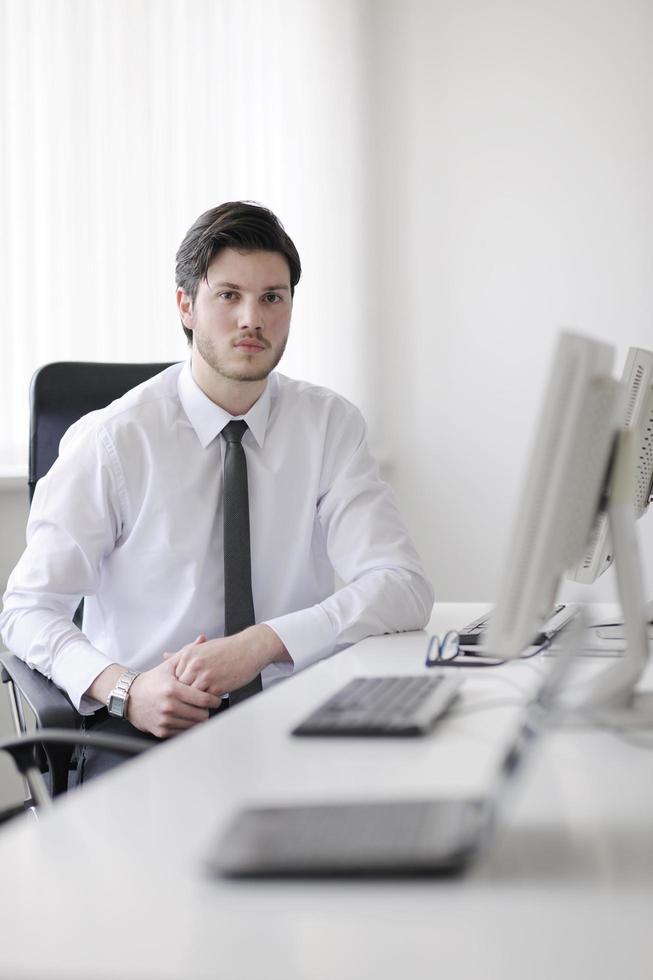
<point>208,419</point>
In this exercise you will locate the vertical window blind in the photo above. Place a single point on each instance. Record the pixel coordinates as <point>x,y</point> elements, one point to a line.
<point>121,121</point>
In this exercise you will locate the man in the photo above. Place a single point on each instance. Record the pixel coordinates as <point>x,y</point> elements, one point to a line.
<point>134,513</point>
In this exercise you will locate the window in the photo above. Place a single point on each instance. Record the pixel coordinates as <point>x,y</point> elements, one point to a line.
<point>122,120</point>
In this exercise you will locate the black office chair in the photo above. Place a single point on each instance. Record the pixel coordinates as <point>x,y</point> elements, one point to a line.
<point>60,393</point>
<point>25,749</point>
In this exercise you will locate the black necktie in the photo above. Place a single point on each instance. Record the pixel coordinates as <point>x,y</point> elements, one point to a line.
<point>238,602</point>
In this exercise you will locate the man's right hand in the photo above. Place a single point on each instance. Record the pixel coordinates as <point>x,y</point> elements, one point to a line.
<point>162,705</point>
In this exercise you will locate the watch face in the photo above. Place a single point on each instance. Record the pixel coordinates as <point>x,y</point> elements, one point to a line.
<point>116,705</point>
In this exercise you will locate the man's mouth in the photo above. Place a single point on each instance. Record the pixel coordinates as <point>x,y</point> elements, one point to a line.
<point>250,346</point>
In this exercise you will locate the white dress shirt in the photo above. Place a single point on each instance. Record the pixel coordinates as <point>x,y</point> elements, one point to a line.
<point>130,517</point>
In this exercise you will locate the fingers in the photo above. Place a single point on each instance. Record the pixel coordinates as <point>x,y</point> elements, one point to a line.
<point>162,705</point>
<point>179,714</point>
<point>189,675</point>
<point>195,697</point>
<point>167,727</point>
<point>189,667</point>
<point>197,675</point>
<point>174,715</point>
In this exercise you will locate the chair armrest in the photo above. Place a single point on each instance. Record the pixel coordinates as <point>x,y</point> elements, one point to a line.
<point>51,707</point>
<point>21,747</point>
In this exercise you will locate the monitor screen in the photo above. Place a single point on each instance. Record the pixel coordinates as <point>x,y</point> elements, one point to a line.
<point>562,493</point>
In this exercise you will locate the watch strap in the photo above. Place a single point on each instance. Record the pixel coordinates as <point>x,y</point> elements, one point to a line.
<point>120,694</point>
<point>125,681</point>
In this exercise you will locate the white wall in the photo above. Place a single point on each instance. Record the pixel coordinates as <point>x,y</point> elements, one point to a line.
<point>514,197</point>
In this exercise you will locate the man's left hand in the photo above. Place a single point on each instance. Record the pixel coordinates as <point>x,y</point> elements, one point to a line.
<point>227,663</point>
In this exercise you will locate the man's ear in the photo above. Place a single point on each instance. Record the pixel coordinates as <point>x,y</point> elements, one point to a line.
<point>185,307</point>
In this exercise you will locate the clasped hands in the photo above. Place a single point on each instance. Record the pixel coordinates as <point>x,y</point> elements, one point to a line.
<point>180,692</point>
<point>224,664</point>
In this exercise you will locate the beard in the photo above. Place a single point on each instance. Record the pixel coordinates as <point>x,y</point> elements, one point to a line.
<point>256,371</point>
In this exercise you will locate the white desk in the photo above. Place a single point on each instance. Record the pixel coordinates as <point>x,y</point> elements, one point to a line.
<point>565,893</point>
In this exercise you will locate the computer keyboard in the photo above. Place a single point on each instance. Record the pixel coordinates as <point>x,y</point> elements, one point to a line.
<point>473,633</point>
<point>383,706</point>
<point>381,837</point>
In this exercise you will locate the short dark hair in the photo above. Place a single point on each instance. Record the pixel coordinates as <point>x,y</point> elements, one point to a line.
<point>243,225</point>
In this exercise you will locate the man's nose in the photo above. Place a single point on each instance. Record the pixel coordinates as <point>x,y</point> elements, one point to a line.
<point>251,316</point>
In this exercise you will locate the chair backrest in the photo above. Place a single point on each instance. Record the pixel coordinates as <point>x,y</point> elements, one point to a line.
<point>61,392</point>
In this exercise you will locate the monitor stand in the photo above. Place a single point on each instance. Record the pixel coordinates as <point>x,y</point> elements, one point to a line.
<point>610,697</point>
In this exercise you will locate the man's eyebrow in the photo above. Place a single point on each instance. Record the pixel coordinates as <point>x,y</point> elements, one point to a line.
<point>233,285</point>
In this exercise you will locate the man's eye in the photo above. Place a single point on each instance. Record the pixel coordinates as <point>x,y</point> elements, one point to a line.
<point>272,298</point>
<point>227,294</point>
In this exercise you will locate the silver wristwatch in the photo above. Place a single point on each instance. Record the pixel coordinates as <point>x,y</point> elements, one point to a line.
<point>117,703</point>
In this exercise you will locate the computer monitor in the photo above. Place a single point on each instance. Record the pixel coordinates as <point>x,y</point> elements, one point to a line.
<point>637,382</point>
<point>583,463</point>
<point>561,496</point>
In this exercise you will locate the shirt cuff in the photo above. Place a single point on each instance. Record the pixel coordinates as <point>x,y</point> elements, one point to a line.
<point>75,669</point>
<point>308,635</point>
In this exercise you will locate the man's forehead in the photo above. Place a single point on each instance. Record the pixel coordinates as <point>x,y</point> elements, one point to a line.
<point>232,265</point>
